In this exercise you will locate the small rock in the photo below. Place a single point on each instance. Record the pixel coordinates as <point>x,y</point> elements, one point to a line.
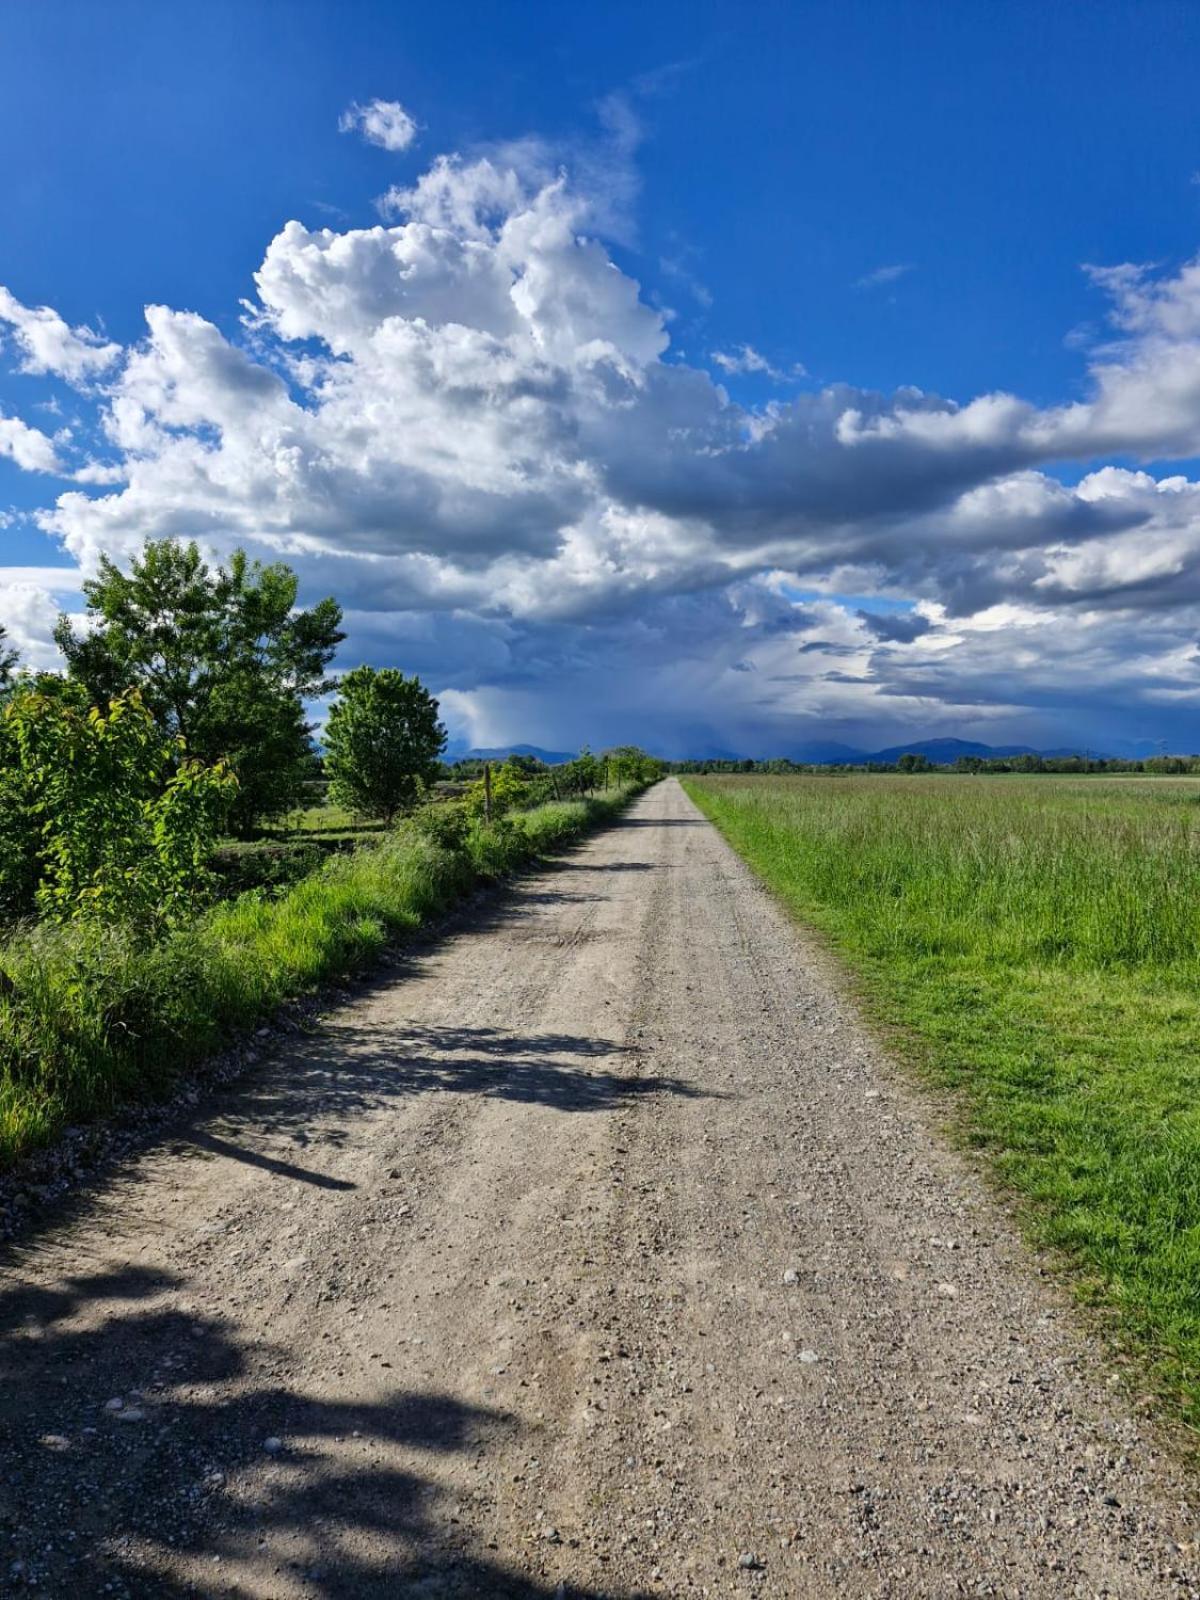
<point>749,1562</point>
<point>791,1276</point>
<point>552,1536</point>
<point>130,1414</point>
<point>114,1405</point>
<point>56,1441</point>
<point>273,1445</point>
<point>947,1291</point>
<point>808,1357</point>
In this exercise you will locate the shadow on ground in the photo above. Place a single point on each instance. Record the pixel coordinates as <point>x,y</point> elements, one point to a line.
<point>131,1502</point>
<point>348,1069</point>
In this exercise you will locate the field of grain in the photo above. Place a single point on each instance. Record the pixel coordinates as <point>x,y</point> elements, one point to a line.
<point>1037,943</point>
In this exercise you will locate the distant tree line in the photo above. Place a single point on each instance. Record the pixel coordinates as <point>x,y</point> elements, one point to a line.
<point>915,761</point>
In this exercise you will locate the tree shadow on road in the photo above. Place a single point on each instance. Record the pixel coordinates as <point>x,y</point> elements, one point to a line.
<point>211,1467</point>
<point>349,1068</point>
<point>607,866</point>
<point>660,822</point>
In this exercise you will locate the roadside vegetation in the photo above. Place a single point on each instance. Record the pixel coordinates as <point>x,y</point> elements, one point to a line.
<point>137,935</point>
<point>1038,942</point>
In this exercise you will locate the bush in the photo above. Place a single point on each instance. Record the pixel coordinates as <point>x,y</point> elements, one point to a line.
<point>125,823</point>
<point>446,824</point>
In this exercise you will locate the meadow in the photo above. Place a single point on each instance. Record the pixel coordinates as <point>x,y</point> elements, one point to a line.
<point>1034,945</point>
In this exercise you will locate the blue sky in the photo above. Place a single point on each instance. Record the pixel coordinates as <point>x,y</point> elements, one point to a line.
<point>823,208</point>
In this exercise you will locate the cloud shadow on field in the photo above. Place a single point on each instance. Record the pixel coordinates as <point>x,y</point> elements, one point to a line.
<point>349,1507</point>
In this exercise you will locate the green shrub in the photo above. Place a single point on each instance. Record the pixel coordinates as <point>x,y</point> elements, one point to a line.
<point>125,824</point>
<point>446,824</point>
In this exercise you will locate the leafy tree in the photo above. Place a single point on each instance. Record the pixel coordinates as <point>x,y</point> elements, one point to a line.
<point>382,742</point>
<point>914,761</point>
<point>8,660</point>
<point>582,775</point>
<point>126,821</point>
<point>266,735</point>
<point>628,764</point>
<point>221,658</point>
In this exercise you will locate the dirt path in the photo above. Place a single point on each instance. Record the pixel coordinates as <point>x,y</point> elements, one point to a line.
<point>594,1253</point>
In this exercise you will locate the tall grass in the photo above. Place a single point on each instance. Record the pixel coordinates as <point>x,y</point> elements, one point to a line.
<point>90,1018</point>
<point>1039,942</point>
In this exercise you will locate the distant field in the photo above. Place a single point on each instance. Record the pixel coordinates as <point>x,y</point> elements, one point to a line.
<point>327,822</point>
<point>1038,940</point>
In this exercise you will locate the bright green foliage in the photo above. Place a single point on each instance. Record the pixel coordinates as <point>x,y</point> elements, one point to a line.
<point>382,742</point>
<point>582,775</point>
<point>90,1015</point>
<point>125,821</point>
<point>1038,941</point>
<point>222,660</point>
<point>8,660</point>
<point>511,789</point>
<point>20,831</point>
<point>627,764</point>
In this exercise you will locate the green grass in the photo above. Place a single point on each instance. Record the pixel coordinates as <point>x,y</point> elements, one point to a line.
<point>89,1018</point>
<point>327,821</point>
<point>1037,941</point>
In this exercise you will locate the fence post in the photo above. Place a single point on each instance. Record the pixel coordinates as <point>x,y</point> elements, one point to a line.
<point>487,791</point>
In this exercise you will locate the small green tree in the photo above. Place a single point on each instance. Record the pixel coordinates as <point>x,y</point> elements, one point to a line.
<point>222,659</point>
<point>629,764</point>
<point>914,761</point>
<point>582,775</point>
<point>382,742</point>
<point>127,822</point>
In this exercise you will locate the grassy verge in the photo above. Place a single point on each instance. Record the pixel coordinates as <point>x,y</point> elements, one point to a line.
<point>1038,941</point>
<point>89,1018</point>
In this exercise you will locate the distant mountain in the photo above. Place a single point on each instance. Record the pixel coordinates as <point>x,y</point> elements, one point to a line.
<point>552,758</point>
<point>945,752</point>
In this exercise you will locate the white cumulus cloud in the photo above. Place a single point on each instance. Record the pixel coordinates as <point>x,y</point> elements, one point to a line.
<point>47,345</point>
<point>382,122</point>
<point>469,425</point>
<point>28,447</point>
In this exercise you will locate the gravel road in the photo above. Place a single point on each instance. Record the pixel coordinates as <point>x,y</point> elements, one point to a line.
<point>595,1250</point>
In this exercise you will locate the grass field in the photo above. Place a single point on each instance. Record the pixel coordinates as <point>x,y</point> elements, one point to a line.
<point>1038,942</point>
